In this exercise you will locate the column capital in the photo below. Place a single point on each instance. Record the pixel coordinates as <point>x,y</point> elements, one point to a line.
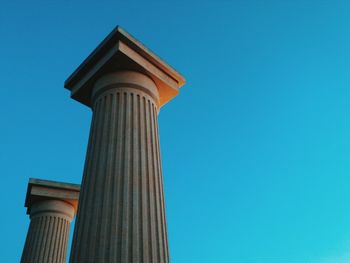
<point>126,79</point>
<point>119,51</point>
<point>43,190</point>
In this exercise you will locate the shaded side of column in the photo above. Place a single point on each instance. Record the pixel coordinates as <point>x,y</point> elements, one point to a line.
<point>47,238</point>
<point>121,215</point>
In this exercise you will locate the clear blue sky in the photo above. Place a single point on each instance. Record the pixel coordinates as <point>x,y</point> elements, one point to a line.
<point>255,149</point>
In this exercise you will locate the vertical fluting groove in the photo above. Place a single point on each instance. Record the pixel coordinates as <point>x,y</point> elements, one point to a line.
<point>59,251</point>
<point>89,228</point>
<point>80,225</point>
<point>126,184</point>
<point>57,239</point>
<point>160,186</point>
<point>60,257</point>
<point>60,239</point>
<point>66,227</point>
<point>116,239</point>
<point>131,180</point>
<point>64,254</point>
<point>114,183</point>
<point>55,252</point>
<point>62,242</point>
<point>139,179</point>
<point>152,175</point>
<point>144,187</point>
<point>106,212</point>
<point>39,240</point>
<point>48,237</point>
<point>148,191</point>
<point>62,251</point>
<point>150,186</point>
<point>67,241</point>
<point>121,238</point>
<point>164,223</point>
<point>103,173</point>
<point>53,241</point>
<point>95,216</point>
<point>52,237</point>
<point>156,183</point>
<point>35,246</point>
<point>135,182</point>
<point>42,237</point>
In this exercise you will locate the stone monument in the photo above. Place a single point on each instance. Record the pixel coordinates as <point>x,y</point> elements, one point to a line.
<point>51,206</point>
<point>121,215</point>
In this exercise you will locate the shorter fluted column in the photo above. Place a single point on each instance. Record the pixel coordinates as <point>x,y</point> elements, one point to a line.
<point>51,207</point>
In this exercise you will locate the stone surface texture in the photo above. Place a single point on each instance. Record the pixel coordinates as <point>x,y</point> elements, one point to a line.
<point>121,215</point>
<point>51,206</point>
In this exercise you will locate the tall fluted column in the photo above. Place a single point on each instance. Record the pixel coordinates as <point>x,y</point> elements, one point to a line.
<point>51,207</point>
<point>121,215</point>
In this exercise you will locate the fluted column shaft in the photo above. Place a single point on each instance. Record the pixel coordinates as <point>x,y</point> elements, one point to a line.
<point>121,215</point>
<point>47,238</point>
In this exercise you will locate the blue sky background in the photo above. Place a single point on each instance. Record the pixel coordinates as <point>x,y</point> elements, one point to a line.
<point>255,149</point>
